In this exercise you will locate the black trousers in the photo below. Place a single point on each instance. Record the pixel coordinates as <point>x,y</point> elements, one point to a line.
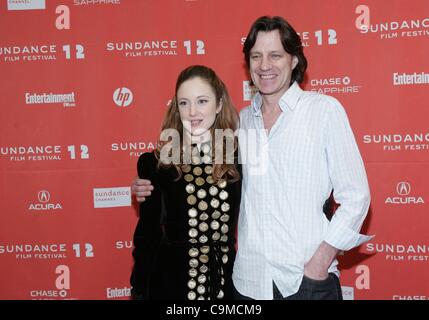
<point>328,289</point>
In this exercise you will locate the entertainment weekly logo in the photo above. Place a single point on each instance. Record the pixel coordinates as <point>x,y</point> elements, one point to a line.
<point>47,251</point>
<point>410,79</point>
<point>133,149</point>
<point>404,196</point>
<point>400,252</point>
<point>397,29</point>
<point>397,142</point>
<point>112,197</point>
<point>41,52</point>
<point>25,4</point>
<point>39,153</point>
<point>321,37</point>
<point>114,293</point>
<point>66,99</point>
<point>156,48</point>
<point>334,85</point>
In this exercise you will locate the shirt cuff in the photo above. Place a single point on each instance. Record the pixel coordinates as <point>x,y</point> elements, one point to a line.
<point>344,238</point>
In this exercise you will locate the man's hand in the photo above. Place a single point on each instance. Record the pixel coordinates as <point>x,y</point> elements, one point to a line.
<point>141,188</point>
<point>317,267</point>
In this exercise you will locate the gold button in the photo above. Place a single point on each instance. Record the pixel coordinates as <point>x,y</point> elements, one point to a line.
<point>203,227</point>
<point>205,249</point>
<point>201,193</point>
<point>204,216</point>
<point>224,238</point>
<point>215,215</point>
<point>204,268</point>
<point>208,169</point>
<point>201,298</point>
<point>202,278</point>
<point>223,195</point>
<point>221,183</point>
<point>224,218</point>
<point>192,212</point>
<point>225,259</point>
<point>193,252</point>
<point>199,181</point>
<point>190,188</point>
<point>196,160</point>
<point>192,199</point>
<point>225,207</point>
<point>193,272</point>
<point>220,295</point>
<point>203,239</point>
<point>201,289</point>
<point>192,284</point>
<point>192,295</point>
<point>210,180</point>
<point>193,232</point>
<point>224,228</point>
<point>203,205</point>
<point>204,258</point>
<point>224,249</point>
<point>214,225</point>
<point>197,171</point>
<point>193,263</point>
<point>215,203</point>
<point>186,168</point>
<point>213,191</point>
<point>193,222</point>
<point>216,236</point>
<point>189,177</point>
<point>207,159</point>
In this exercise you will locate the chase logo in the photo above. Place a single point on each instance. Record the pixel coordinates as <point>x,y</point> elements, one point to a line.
<point>403,188</point>
<point>43,196</point>
<point>25,4</point>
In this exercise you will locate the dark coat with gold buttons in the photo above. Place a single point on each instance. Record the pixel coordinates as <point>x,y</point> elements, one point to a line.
<point>184,241</point>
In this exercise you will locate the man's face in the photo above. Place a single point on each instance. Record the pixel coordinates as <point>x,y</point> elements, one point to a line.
<point>270,65</point>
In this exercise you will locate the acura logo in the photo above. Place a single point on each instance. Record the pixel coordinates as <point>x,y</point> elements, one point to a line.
<point>403,188</point>
<point>43,196</point>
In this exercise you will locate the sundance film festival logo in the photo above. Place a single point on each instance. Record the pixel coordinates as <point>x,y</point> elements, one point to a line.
<point>66,99</point>
<point>112,197</point>
<point>404,196</point>
<point>41,52</point>
<point>43,152</point>
<point>44,203</point>
<point>400,252</point>
<point>133,149</point>
<point>36,251</point>
<point>404,79</point>
<point>156,48</point>
<point>418,142</point>
<point>25,4</point>
<point>334,85</point>
<point>122,97</point>
<point>321,37</point>
<point>393,29</point>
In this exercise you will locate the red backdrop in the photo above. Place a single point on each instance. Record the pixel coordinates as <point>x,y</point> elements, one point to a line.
<point>84,86</point>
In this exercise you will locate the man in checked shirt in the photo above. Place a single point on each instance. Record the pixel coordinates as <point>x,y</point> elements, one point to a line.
<point>287,247</point>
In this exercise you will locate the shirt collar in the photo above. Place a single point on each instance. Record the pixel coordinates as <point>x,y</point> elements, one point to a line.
<point>288,100</point>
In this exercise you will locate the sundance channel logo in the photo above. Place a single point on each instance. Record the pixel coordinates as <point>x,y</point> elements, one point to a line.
<point>112,197</point>
<point>26,4</point>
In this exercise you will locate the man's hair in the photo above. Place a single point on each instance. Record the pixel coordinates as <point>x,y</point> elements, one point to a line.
<point>290,39</point>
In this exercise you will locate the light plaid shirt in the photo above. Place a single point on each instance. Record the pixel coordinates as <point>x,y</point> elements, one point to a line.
<point>309,151</point>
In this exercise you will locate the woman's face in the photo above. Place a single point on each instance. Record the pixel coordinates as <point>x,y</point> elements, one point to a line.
<point>196,101</point>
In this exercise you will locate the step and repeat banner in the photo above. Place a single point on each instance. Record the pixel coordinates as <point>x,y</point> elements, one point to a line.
<point>85,84</point>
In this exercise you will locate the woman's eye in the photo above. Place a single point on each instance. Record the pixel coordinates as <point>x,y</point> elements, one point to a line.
<point>202,101</point>
<point>182,103</point>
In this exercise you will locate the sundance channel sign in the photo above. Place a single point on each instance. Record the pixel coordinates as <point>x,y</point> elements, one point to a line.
<point>112,197</point>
